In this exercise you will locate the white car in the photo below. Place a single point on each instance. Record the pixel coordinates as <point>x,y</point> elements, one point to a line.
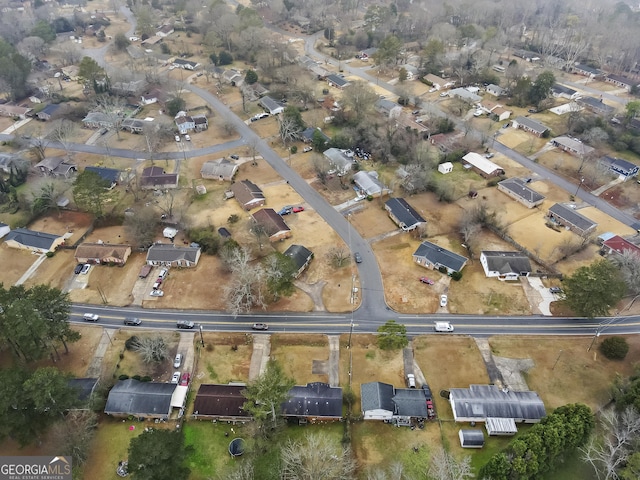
<point>85,269</point>
<point>307,149</point>
<point>91,317</point>
<point>187,138</point>
<point>175,378</point>
<point>156,293</point>
<point>443,300</point>
<point>177,137</point>
<point>177,361</point>
<point>478,113</point>
<point>444,94</point>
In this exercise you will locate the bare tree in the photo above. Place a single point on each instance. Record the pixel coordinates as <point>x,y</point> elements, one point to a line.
<point>629,264</point>
<point>151,349</point>
<point>141,226</point>
<point>321,167</point>
<point>244,471</point>
<point>74,433</point>
<point>359,98</point>
<point>245,290</point>
<point>316,457</point>
<point>113,107</point>
<point>62,131</point>
<point>338,256</point>
<point>444,466</point>
<point>289,129</point>
<point>258,231</point>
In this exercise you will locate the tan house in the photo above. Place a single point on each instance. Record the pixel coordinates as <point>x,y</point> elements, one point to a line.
<point>39,242</point>
<point>248,194</point>
<point>102,253</point>
<point>273,224</point>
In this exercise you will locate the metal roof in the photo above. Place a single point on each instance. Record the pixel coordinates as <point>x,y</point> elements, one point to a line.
<point>368,182</point>
<point>501,426</point>
<point>317,399</point>
<point>572,144</point>
<point>111,175</point>
<point>520,189</point>
<point>471,438</point>
<point>337,81</point>
<point>131,397</point>
<point>483,401</point>
<point>440,256</point>
<point>481,163</point>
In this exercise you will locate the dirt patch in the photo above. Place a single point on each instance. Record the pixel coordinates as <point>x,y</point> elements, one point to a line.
<point>63,222</point>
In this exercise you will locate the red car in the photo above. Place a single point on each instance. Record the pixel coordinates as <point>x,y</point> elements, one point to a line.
<point>426,280</point>
<point>298,209</point>
<point>185,378</point>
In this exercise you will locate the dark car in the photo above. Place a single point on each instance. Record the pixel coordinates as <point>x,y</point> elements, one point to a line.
<point>132,321</point>
<point>78,268</point>
<point>185,324</point>
<point>286,210</point>
<point>357,257</point>
<point>556,290</point>
<point>260,326</point>
<point>234,156</point>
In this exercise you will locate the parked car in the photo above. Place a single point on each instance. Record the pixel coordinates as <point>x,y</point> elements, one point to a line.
<point>91,317</point>
<point>478,113</point>
<point>357,257</point>
<point>157,285</point>
<point>157,293</point>
<point>426,280</point>
<point>177,137</point>
<point>177,361</point>
<point>444,94</point>
<point>489,155</point>
<point>556,290</point>
<point>260,326</point>
<point>234,156</point>
<point>187,138</point>
<point>286,210</point>
<point>411,380</point>
<point>185,324</point>
<point>532,110</point>
<point>415,112</point>
<point>85,269</point>
<point>132,321</point>
<point>307,149</point>
<point>163,273</point>
<point>159,280</point>
<point>185,378</point>
<point>78,268</point>
<point>443,300</point>
<point>176,377</point>
<point>298,209</point>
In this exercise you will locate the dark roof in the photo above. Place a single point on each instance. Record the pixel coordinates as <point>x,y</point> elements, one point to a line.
<point>109,174</point>
<point>84,387</point>
<point>572,217</point>
<point>410,402</point>
<point>405,213</point>
<point>587,68</point>
<point>168,252</point>
<point>472,437</point>
<point>337,81</point>
<point>558,89</point>
<point>270,220</point>
<point>32,238</point>
<point>532,124</point>
<point>316,399</point>
<point>270,104</point>
<point>245,191</point>
<point>507,262</point>
<point>622,79</point>
<point>482,401</point>
<point>595,103</point>
<point>307,134</point>
<point>180,61</point>
<point>49,109</point>
<point>619,164</point>
<point>377,396</point>
<point>220,400</point>
<point>153,176</point>
<point>224,233</point>
<point>299,254</point>
<point>131,397</point>
<point>440,256</point>
<point>519,188</point>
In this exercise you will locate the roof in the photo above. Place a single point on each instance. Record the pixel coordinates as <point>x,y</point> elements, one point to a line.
<point>97,117</point>
<point>620,245</point>
<point>308,133</point>
<point>368,182</point>
<point>573,145</point>
<point>271,221</point>
<point>84,387</point>
<point>481,163</point>
<point>619,164</point>
<point>102,250</point>
<point>221,168</point>
<point>465,94</point>
<point>483,401</point>
<point>595,103</point>
<point>299,254</point>
<point>587,68</point>
<point>338,158</point>
<point>440,256</point>
<point>495,88</point>
<point>507,262</point>
<point>337,80</point>
<point>152,176</point>
<point>471,437</point>
<point>180,61</point>
<point>386,105</point>
<point>220,400</point>
<point>558,89</point>
<point>49,109</point>
<point>111,175</point>
<point>532,124</point>
<point>51,163</point>
<point>317,399</point>
<point>430,77</point>
<point>502,425</point>
<point>403,212</point>
<point>622,79</point>
<point>377,396</point>
<point>140,398</point>
<point>572,217</point>
<point>245,191</point>
<point>269,103</point>
<point>410,402</point>
<point>519,188</point>
<point>31,238</point>
<point>168,252</point>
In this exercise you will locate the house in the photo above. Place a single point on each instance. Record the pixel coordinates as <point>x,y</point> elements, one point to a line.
<point>233,77</point>
<point>446,167</point>
<point>465,95</point>
<point>47,112</point>
<point>621,81</point>
<point>185,64</point>
<point>339,162</point>
<point>185,123</point>
<point>39,242</point>
<point>151,41</point>
<point>527,55</point>
<point>387,108</point>
<point>495,90</point>
<point>481,402</point>
<point>530,125</point>
<point>505,265</point>
<point>314,401</point>
<point>430,255</point>
<point>223,402</point>
<point>111,175</point>
<point>14,111</point>
<point>586,71</point>
<point>128,89</point>
<point>258,89</point>
<point>619,245</point>
<point>221,169</point>
<point>623,168</point>
<point>568,217</point>
<point>4,229</point>
<point>165,31</point>
<point>369,184</point>
<point>337,81</point>
<point>520,192</point>
<point>412,71</point>
<point>102,253</point>
<point>307,135</point>
<point>169,255</point>
<point>596,105</point>
<point>482,166</point>
<point>154,95</point>
<point>560,91</point>
<point>301,257</point>
<point>131,397</point>
<point>98,120</point>
<point>437,82</point>
<point>272,223</point>
<point>403,214</point>
<point>248,194</point>
<point>56,167</point>
<point>156,177</point>
<point>492,108</point>
<point>271,106</point>
<point>572,146</point>
<point>200,123</point>
<point>134,125</point>
<point>381,401</point>
<point>471,438</point>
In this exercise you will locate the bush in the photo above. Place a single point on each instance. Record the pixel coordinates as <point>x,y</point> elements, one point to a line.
<point>146,378</point>
<point>123,377</point>
<point>50,254</point>
<point>456,276</point>
<point>131,343</point>
<point>136,377</point>
<point>294,149</point>
<point>615,348</point>
<point>233,218</point>
<point>442,269</point>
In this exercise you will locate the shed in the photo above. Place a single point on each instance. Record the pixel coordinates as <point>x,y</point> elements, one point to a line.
<point>446,167</point>
<point>500,426</point>
<point>471,438</point>
<point>169,232</point>
<point>4,229</point>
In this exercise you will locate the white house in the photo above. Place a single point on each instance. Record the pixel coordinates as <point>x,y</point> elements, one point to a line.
<point>446,167</point>
<point>505,265</point>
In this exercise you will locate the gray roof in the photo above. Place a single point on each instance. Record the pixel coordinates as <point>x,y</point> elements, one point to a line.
<point>49,109</point>
<point>440,256</point>
<point>619,164</point>
<point>32,238</point>
<point>269,103</point>
<point>168,252</point>
<point>338,158</point>
<point>532,124</point>
<point>519,188</point>
<point>404,212</point>
<point>221,168</point>
<point>587,68</point>
<point>507,262</point>
<point>376,396</point>
<point>465,95</point>
<point>472,437</point>
<point>570,216</point>
<point>299,254</point>
<point>558,89</point>
<point>483,401</point>
<point>111,175</point>
<point>308,133</point>
<point>315,399</point>
<point>595,104</point>
<point>410,402</point>
<point>140,398</point>
<point>572,144</point>
<point>368,181</point>
<point>386,105</point>
<point>337,80</point>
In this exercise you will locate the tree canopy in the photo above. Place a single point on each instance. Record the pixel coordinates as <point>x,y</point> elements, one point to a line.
<point>592,290</point>
<point>14,70</point>
<point>392,336</point>
<point>90,192</point>
<point>159,454</point>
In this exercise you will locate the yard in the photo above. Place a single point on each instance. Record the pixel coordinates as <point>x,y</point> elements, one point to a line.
<point>304,358</point>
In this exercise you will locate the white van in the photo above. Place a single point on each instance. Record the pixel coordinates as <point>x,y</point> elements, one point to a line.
<point>443,327</point>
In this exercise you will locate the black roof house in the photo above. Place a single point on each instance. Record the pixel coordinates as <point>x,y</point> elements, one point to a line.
<point>301,257</point>
<point>220,401</point>
<point>141,399</point>
<point>110,175</point>
<point>376,396</point>
<point>403,214</point>
<point>430,255</point>
<point>568,217</point>
<point>315,400</point>
<point>410,402</point>
<point>381,401</point>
